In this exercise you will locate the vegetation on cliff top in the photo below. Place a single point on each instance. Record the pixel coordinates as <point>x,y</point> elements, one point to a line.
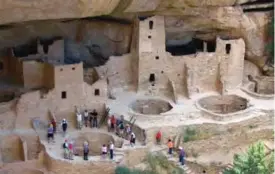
<point>254,161</point>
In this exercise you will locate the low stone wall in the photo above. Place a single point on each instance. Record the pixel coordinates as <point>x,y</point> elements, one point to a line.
<point>69,167</point>
<point>248,91</point>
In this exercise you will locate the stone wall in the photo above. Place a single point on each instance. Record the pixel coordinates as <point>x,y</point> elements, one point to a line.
<point>11,149</point>
<point>64,167</point>
<point>33,74</point>
<point>117,70</point>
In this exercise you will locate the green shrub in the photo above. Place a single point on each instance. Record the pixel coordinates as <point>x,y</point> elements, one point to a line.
<point>189,134</point>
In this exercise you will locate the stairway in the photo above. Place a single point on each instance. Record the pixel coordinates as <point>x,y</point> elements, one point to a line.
<point>175,160</point>
<point>186,169</point>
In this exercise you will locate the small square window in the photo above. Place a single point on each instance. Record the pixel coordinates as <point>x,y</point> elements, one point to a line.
<point>73,68</point>
<point>61,69</point>
<point>1,66</point>
<point>63,94</point>
<point>157,57</point>
<point>97,92</point>
<point>149,37</point>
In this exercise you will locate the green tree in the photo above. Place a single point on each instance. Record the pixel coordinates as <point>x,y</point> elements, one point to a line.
<point>254,161</point>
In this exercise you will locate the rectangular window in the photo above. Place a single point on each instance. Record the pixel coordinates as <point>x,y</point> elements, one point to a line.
<point>63,94</point>
<point>97,92</point>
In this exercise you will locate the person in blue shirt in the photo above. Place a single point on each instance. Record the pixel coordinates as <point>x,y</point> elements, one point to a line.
<point>181,156</point>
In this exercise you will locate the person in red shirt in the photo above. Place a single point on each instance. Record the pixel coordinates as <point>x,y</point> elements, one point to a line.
<point>54,125</point>
<point>158,137</point>
<point>113,122</point>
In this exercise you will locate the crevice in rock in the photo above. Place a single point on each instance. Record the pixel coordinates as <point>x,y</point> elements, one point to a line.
<point>258,9</point>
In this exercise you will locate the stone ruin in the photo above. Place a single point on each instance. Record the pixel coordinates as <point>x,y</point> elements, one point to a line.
<point>158,84</point>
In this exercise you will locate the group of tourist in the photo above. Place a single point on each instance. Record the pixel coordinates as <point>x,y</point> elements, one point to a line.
<point>70,152</point>
<point>88,119</point>
<point>170,145</point>
<point>118,126</point>
<point>52,129</point>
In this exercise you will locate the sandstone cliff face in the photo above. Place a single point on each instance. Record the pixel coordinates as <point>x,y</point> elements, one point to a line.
<point>204,19</point>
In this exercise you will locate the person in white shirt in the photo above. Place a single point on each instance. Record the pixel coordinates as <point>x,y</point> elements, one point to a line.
<point>112,146</point>
<point>133,139</point>
<point>104,150</point>
<point>79,120</point>
<point>86,118</point>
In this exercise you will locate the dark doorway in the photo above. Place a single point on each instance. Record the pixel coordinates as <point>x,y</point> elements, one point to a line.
<point>190,48</point>
<point>152,78</point>
<point>211,46</point>
<point>151,23</point>
<point>25,49</point>
<point>97,92</point>
<point>63,94</point>
<point>228,48</point>
<point>1,66</point>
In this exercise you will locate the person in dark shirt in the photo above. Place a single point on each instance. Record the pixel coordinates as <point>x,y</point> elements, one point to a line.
<point>94,118</point>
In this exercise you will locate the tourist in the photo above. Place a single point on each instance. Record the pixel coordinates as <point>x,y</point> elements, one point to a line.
<point>181,155</point>
<point>113,122</point>
<point>158,137</point>
<point>86,150</point>
<point>121,129</point>
<point>71,150</point>
<point>117,126</point>
<point>112,146</point>
<point>104,151</point>
<point>109,124</point>
<point>94,118</point>
<point>50,133</point>
<point>144,137</point>
<point>64,126</point>
<point>133,139</point>
<point>170,147</point>
<point>66,149</point>
<point>54,125</point>
<point>86,118</point>
<point>128,132</point>
<point>79,120</point>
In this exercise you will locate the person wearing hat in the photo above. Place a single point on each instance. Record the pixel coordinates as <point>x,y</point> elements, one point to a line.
<point>181,155</point>
<point>86,150</point>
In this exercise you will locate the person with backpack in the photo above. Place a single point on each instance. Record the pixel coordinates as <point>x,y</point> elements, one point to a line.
<point>121,129</point>
<point>64,126</point>
<point>50,133</point>
<point>66,149</point>
<point>85,150</point>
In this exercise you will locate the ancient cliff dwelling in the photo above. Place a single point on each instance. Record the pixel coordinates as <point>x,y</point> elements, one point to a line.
<point>79,79</point>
